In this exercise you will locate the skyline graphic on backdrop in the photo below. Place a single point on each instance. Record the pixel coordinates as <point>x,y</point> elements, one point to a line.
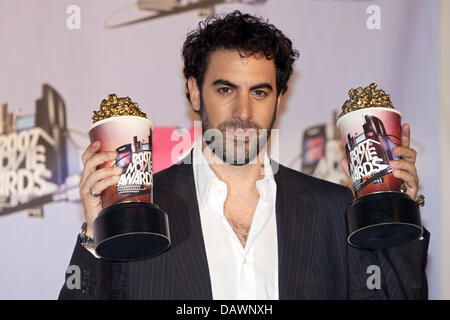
<point>39,161</point>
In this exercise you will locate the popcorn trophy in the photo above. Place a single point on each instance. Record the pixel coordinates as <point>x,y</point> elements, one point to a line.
<point>130,226</point>
<point>381,216</point>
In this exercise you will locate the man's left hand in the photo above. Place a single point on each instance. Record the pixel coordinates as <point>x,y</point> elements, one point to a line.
<point>405,168</point>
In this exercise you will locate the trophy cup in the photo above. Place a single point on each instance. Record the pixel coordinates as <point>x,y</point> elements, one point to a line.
<point>380,216</point>
<point>130,226</point>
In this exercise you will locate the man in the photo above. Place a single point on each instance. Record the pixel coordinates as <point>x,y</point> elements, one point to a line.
<point>243,227</point>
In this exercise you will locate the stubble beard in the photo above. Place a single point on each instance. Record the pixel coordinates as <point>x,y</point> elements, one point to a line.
<point>237,152</point>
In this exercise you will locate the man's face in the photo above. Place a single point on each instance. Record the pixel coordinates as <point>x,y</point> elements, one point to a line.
<point>238,98</point>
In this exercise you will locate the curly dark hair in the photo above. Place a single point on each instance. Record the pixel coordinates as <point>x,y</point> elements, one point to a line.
<point>243,32</point>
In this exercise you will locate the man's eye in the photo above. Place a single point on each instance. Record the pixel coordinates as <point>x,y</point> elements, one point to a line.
<point>225,90</point>
<point>259,93</point>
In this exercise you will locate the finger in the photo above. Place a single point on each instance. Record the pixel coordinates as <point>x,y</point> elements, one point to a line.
<point>103,184</point>
<point>344,166</point>
<point>404,165</point>
<point>406,153</point>
<point>406,133</point>
<point>98,175</point>
<point>96,160</point>
<point>90,151</point>
<point>409,180</point>
<point>93,162</point>
<point>98,188</point>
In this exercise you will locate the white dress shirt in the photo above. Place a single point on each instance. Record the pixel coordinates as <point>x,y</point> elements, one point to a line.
<point>237,272</point>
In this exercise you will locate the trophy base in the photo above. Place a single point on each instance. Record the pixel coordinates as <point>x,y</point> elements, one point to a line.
<point>131,231</point>
<point>383,220</point>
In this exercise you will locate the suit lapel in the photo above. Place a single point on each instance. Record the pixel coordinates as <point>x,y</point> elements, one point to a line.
<point>296,219</point>
<point>193,277</point>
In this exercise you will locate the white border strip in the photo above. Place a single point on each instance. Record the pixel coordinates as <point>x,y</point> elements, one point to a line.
<point>444,106</point>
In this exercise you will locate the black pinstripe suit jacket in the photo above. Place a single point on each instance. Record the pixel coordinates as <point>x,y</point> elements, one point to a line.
<point>314,259</point>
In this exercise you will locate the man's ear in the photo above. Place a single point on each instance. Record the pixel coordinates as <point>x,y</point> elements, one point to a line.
<point>194,93</point>
<point>278,103</point>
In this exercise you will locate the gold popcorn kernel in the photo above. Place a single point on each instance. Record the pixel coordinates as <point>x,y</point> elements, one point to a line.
<point>368,97</point>
<point>116,107</point>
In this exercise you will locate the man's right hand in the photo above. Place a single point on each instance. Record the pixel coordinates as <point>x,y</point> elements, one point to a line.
<point>96,180</point>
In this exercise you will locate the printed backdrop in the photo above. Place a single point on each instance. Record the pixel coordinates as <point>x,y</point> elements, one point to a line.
<point>60,58</point>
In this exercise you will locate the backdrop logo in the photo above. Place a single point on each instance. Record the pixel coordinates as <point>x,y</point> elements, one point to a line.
<point>23,163</point>
<point>35,167</point>
<point>145,10</point>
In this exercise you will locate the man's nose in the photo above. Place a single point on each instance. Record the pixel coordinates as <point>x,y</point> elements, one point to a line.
<point>242,108</point>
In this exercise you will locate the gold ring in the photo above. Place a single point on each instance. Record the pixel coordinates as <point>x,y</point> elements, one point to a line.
<point>403,188</point>
<point>94,195</point>
<point>420,200</point>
